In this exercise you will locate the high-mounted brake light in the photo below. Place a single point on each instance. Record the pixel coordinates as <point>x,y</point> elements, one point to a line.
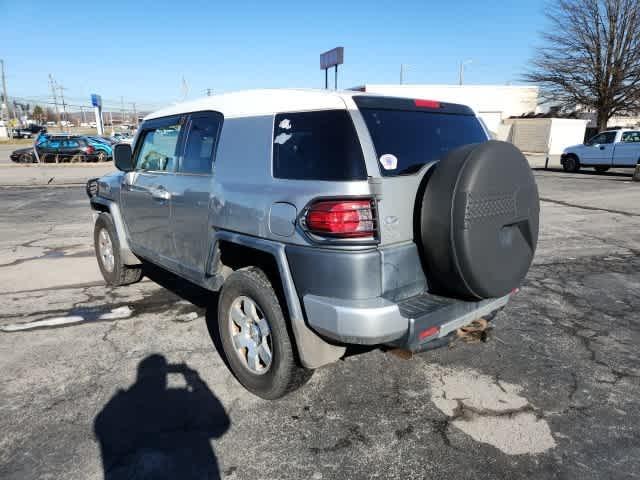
<point>341,218</point>
<point>427,103</point>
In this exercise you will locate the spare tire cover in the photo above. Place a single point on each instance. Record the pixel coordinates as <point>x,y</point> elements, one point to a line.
<point>479,221</point>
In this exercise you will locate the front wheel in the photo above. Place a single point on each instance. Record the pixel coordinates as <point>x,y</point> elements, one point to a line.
<point>254,336</point>
<point>571,164</point>
<point>107,246</point>
<point>25,158</point>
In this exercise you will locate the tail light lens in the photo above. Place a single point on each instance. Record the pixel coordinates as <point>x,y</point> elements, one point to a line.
<point>341,218</point>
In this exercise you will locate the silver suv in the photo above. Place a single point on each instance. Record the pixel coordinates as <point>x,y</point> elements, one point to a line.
<point>323,219</point>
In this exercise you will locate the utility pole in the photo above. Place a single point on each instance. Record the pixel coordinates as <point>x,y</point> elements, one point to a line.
<point>121,110</point>
<point>64,105</point>
<point>52,84</point>
<point>135,114</point>
<point>82,114</point>
<point>208,91</point>
<point>461,73</point>
<point>4,89</point>
<point>402,69</point>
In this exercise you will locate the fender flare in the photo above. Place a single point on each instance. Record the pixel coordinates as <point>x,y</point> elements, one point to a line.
<point>111,207</point>
<point>313,351</point>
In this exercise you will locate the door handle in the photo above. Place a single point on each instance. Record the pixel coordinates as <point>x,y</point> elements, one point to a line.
<point>160,194</point>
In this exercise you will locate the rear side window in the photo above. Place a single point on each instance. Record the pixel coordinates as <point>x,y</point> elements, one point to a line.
<point>320,145</point>
<point>407,140</point>
<point>631,137</point>
<point>201,142</point>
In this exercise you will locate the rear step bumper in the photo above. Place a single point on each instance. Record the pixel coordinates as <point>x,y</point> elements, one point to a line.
<point>412,323</point>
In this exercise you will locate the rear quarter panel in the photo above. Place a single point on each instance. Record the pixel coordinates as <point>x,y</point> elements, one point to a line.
<point>244,189</point>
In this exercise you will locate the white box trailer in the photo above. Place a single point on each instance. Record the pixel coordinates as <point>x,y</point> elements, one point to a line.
<point>545,136</point>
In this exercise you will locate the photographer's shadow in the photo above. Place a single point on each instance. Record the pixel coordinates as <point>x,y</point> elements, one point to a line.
<point>151,431</point>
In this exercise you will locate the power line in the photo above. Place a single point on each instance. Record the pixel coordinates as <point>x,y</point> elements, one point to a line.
<point>52,84</point>
<point>64,105</point>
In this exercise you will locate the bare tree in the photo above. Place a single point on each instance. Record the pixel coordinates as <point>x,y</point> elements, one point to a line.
<point>590,58</point>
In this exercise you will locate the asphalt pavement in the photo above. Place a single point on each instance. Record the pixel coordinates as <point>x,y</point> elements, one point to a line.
<point>131,385</point>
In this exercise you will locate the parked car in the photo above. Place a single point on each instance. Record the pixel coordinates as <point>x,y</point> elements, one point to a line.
<point>21,133</point>
<point>333,218</point>
<point>104,150</point>
<point>121,137</point>
<point>57,148</point>
<point>23,155</point>
<point>612,148</point>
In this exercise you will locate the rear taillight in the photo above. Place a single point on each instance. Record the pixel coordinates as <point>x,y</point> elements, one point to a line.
<point>341,219</point>
<point>89,150</point>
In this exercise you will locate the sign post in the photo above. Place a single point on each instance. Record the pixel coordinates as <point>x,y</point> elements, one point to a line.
<point>96,101</point>
<point>331,58</point>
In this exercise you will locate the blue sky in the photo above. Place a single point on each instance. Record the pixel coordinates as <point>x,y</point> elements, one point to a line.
<point>141,50</point>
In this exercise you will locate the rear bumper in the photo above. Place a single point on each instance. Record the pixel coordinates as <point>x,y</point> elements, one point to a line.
<point>413,324</point>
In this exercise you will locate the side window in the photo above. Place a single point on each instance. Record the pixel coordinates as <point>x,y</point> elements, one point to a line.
<point>631,137</point>
<point>157,152</point>
<point>319,145</point>
<point>603,138</point>
<point>70,144</point>
<point>202,138</point>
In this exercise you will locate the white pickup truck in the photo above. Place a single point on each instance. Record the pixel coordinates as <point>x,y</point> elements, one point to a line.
<point>612,148</point>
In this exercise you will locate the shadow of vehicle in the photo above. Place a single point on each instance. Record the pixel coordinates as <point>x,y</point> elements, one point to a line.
<point>590,173</point>
<point>156,431</point>
<point>181,287</point>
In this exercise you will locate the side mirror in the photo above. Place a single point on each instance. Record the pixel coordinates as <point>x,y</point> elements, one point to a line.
<point>122,157</point>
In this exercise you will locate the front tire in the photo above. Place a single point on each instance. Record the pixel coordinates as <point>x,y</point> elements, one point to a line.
<point>571,164</point>
<point>107,247</point>
<point>254,336</point>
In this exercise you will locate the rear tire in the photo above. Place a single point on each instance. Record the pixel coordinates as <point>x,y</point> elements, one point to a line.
<point>107,247</point>
<point>571,164</point>
<point>601,168</point>
<point>279,374</point>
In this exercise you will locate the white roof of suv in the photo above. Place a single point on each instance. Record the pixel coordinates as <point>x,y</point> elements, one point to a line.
<point>250,103</point>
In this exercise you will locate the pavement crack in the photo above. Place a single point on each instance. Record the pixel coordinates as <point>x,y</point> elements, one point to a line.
<point>585,207</point>
<point>354,436</point>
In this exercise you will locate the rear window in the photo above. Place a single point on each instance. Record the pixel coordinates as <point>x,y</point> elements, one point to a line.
<point>406,140</point>
<point>320,145</point>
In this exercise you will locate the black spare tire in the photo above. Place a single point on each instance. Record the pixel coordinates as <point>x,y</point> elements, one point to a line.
<point>479,221</point>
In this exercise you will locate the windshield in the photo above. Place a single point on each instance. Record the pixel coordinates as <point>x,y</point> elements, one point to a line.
<point>406,140</point>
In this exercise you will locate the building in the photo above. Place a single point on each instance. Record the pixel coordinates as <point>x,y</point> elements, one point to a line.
<point>492,103</point>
